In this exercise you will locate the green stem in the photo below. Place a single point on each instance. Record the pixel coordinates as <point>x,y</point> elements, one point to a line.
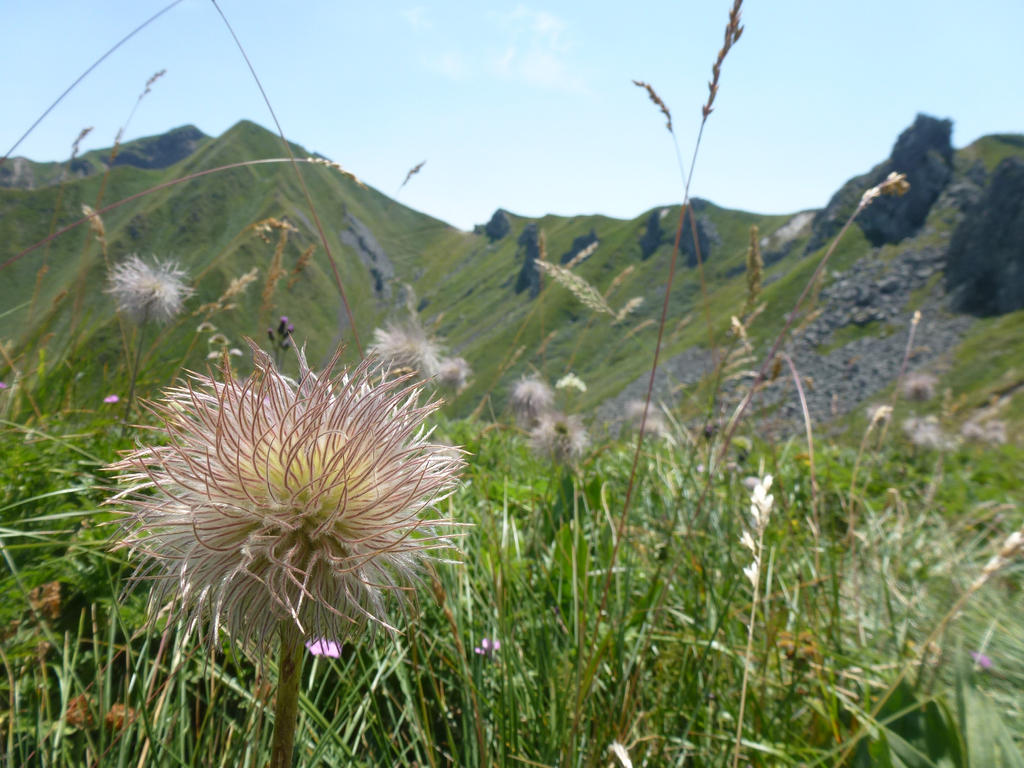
<point>286,711</point>
<point>135,377</point>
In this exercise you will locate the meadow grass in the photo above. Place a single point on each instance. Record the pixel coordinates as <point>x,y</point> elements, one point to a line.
<point>602,610</point>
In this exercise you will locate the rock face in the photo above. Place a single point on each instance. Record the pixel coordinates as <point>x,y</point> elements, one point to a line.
<point>985,267</point>
<point>161,151</point>
<point>923,152</point>
<point>529,251</point>
<point>707,238</point>
<point>579,244</point>
<point>498,226</point>
<point>653,233</point>
<point>359,238</point>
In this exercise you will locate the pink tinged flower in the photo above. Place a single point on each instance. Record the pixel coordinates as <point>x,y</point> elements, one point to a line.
<point>981,659</point>
<point>310,501</point>
<point>487,647</point>
<point>324,647</point>
<point>3,385</point>
<point>111,399</point>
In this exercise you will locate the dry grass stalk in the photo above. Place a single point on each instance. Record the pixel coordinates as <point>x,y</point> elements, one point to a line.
<point>733,30</point>
<point>629,308</point>
<point>654,97</point>
<point>336,166</point>
<point>577,286</point>
<point>618,280</point>
<point>583,255</point>
<point>300,265</point>
<point>96,225</point>
<point>236,287</point>
<point>639,327</point>
<point>547,340</point>
<point>755,269</point>
<point>412,172</point>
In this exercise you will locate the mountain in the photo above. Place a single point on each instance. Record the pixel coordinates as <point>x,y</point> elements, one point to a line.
<point>950,248</point>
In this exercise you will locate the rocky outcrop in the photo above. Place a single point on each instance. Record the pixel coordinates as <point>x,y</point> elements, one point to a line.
<point>161,151</point>
<point>579,244</point>
<point>360,239</point>
<point>529,252</point>
<point>653,234</point>
<point>985,265</point>
<point>924,153</point>
<point>498,226</point>
<point>707,237</point>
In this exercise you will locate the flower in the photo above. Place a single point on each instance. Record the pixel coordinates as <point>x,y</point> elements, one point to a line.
<point>406,347</point>
<point>530,398</point>
<point>571,380</point>
<point>487,647</point>
<point>111,399</point>
<point>148,292</point>
<point>655,426</point>
<point>278,501</point>
<point>453,373</point>
<point>559,437</point>
<point>919,386</point>
<point>981,659</point>
<point>3,385</point>
<point>322,647</point>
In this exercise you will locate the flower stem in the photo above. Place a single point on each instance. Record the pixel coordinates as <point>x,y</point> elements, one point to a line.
<point>286,711</point>
<point>135,377</point>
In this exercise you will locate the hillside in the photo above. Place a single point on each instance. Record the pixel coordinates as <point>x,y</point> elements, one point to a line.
<point>483,295</point>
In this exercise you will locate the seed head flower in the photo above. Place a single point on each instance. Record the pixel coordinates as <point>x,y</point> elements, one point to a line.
<point>559,437</point>
<point>919,386</point>
<point>406,347</point>
<point>530,398</point>
<point>453,373</point>
<point>147,292</point>
<point>282,501</point>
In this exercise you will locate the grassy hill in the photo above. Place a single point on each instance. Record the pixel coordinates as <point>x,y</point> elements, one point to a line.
<point>467,287</point>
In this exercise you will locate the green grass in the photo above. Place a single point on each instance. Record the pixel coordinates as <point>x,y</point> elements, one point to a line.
<point>658,670</point>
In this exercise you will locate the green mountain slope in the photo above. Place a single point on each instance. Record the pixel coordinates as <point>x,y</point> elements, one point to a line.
<point>478,291</point>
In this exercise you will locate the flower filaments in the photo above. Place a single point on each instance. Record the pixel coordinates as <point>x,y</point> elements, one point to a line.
<point>559,437</point>
<point>278,500</point>
<point>406,347</point>
<point>148,292</point>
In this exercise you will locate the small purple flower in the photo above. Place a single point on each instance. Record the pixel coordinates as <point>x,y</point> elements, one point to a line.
<point>324,647</point>
<point>3,385</point>
<point>111,399</point>
<point>488,647</point>
<point>981,659</point>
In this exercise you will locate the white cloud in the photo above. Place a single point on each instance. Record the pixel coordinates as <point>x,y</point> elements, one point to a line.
<point>537,52</point>
<point>451,64</point>
<point>416,17</point>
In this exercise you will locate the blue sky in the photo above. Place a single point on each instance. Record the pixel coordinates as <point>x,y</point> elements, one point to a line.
<point>530,106</point>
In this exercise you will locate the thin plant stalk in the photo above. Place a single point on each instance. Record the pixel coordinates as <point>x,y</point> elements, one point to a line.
<point>135,377</point>
<point>286,709</point>
<point>747,654</point>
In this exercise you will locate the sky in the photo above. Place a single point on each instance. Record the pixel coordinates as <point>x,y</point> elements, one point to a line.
<point>528,106</point>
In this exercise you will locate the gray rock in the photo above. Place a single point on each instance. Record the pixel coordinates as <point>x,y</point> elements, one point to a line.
<point>923,152</point>
<point>529,251</point>
<point>498,226</point>
<point>359,238</point>
<point>985,267</point>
